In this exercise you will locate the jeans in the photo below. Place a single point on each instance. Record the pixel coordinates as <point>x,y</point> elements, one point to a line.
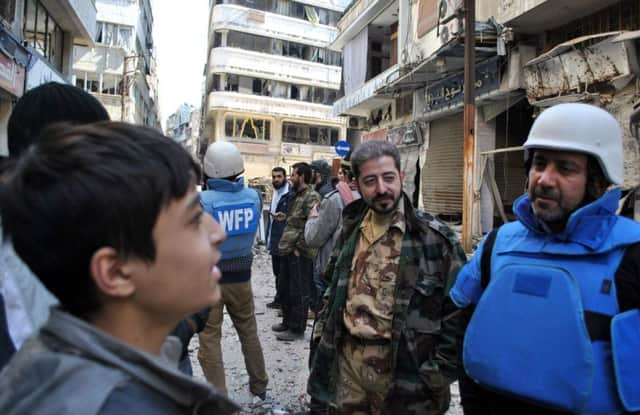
<point>238,299</point>
<point>296,278</point>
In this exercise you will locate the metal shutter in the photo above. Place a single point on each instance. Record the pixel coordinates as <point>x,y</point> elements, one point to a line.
<point>443,170</point>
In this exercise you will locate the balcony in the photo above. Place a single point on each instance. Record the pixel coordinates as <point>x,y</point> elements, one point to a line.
<point>536,16</point>
<point>361,13</point>
<point>75,16</point>
<point>238,102</point>
<point>232,17</point>
<point>364,99</point>
<point>260,65</point>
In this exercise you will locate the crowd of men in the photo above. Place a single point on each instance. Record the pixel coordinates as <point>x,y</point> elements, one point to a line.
<point>112,260</point>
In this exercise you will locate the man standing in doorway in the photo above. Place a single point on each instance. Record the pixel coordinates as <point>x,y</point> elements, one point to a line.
<point>387,339</point>
<point>296,269</point>
<point>237,208</point>
<point>279,203</point>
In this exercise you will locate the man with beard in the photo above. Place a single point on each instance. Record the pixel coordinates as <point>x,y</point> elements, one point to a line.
<point>556,325</point>
<point>387,337</point>
<point>321,172</point>
<point>296,262</point>
<point>278,209</point>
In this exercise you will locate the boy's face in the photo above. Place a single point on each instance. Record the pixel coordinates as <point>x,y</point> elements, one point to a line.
<point>184,277</point>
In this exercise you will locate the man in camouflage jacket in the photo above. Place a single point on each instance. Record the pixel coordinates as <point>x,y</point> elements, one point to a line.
<point>425,333</point>
<point>296,265</point>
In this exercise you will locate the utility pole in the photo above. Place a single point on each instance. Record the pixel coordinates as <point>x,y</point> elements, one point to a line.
<point>469,121</point>
<point>125,85</point>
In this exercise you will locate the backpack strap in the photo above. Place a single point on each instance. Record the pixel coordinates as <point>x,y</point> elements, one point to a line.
<point>485,259</point>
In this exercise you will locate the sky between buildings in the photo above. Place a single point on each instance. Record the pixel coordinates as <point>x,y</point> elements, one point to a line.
<point>180,37</point>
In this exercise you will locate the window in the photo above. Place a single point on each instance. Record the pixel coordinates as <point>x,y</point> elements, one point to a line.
<point>42,32</point>
<point>246,127</point>
<point>309,134</point>
<point>112,34</point>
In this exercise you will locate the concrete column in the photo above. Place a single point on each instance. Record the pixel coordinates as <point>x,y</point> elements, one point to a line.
<point>100,83</point>
<point>225,35</point>
<point>484,205</point>
<point>67,56</point>
<point>5,112</point>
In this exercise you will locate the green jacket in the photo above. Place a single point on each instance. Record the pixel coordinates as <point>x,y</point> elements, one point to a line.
<point>293,234</point>
<point>426,330</point>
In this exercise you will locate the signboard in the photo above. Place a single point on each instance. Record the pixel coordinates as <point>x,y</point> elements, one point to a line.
<point>11,75</point>
<point>380,135</point>
<point>342,148</point>
<point>450,91</point>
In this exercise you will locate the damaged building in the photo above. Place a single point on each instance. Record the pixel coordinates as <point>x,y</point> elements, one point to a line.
<point>405,61</point>
<point>271,81</point>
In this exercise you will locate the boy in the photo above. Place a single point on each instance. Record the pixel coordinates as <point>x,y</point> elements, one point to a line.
<point>108,218</point>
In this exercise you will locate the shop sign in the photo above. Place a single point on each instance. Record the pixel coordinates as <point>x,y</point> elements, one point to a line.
<point>380,135</point>
<point>11,75</point>
<point>450,91</point>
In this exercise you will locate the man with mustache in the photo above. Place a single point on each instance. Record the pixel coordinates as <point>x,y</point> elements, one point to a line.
<point>557,292</point>
<point>387,337</point>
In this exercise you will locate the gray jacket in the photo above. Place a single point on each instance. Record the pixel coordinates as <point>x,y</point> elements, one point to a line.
<point>71,367</point>
<point>322,231</point>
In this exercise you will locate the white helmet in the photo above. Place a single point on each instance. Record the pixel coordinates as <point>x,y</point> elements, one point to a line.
<point>582,128</point>
<point>223,160</point>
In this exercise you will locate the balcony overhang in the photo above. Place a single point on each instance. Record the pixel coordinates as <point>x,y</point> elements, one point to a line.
<point>358,16</point>
<point>581,68</point>
<point>265,66</point>
<point>257,22</point>
<point>549,14</point>
<point>75,16</point>
<point>364,99</point>
<point>445,61</point>
<point>269,106</point>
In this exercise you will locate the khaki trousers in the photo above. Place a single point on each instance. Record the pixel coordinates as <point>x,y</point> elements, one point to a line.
<point>238,299</point>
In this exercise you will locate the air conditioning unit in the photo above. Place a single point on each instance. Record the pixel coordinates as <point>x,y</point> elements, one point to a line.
<point>358,123</point>
<point>451,29</point>
<point>448,10</point>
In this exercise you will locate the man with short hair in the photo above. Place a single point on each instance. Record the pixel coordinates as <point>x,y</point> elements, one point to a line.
<point>279,204</point>
<point>557,292</point>
<point>387,339</point>
<point>237,208</point>
<point>108,218</point>
<point>296,267</point>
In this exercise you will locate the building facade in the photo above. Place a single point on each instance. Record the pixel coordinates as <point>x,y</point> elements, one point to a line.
<point>36,46</point>
<point>183,126</point>
<point>271,80</point>
<point>408,87</point>
<point>120,67</point>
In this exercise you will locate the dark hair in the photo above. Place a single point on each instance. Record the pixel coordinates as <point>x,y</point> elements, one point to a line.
<point>47,104</point>
<point>304,170</point>
<point>279,170</point>
<point>82,188</point>
<point>372,150</point>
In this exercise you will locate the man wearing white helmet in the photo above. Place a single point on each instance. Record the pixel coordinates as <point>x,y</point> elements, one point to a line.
<point>237,208</point>
<point>556,325</point>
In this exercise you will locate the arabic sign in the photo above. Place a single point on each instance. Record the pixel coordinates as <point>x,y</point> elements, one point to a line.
<point>450,90</point>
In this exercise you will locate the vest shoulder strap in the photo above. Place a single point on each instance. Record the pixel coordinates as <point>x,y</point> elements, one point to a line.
<point>485,259</point>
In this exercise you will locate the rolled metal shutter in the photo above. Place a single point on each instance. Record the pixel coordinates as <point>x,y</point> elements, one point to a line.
<point>443,170</point>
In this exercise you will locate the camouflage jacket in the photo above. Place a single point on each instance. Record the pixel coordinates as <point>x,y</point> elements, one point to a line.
<point>293,234</point>
<point>426,330</point>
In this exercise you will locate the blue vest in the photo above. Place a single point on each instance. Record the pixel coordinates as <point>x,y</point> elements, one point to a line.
<point>237,209</point>
<point>534,331</point>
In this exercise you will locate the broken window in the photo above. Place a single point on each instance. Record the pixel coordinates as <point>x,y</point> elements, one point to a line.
<point>309,134</point>
<point>232,83</point>
<point>247,127</point>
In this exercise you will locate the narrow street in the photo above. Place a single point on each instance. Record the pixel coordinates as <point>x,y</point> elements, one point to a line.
<point>286,361</point>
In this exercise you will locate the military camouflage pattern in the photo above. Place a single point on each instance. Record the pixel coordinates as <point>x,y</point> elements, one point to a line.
<point>365,376</point>
<point>426,329</point>
<point>369,309</point>
<point>293,234</point>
